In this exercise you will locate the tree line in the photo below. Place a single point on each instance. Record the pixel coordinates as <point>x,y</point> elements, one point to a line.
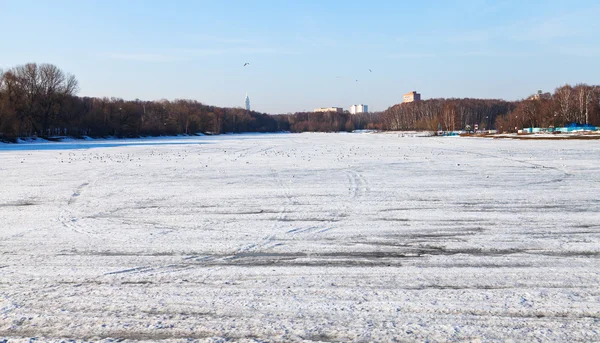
<point>568,105</point>
<point>332,121</point>
<point>445,114</point>
<point>579,104</point>
<point>40,100</point>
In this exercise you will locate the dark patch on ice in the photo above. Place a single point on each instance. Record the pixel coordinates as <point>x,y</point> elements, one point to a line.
<point>588,226</point>
<point>478,265</point>
<point>182,314</point>
<point>309,230</point>
<point>243,212</point>
<point>125,253</point>
<point>131,270</point>
<point>393,219</point>
<point>306,219</point>
<point>18,204</point>
<point>561,253</point>
<point>409,209</point>
<point>321,338</point>
<point>371,258</point>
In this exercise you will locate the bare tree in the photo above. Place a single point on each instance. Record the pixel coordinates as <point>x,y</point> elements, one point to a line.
<point>584,101</point>
<point>41,88</point>
<point>449,116</point>
<point>55,85</point>
<point>563,97</point>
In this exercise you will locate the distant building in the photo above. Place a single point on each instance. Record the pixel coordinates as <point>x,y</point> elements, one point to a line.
<point>412,97</point>
<point>540,95</point>
<point>247,102</point>
<point>356,109</point>
<point>330,109</point>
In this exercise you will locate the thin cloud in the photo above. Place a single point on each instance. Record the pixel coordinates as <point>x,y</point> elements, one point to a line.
<point>324,42</point>
<point>580,51</point>
<point>542,29</point>
<point>240,45</point>
<point>145,57</point>
<point>176,55</point>
<point>470,37</point>
<point>265,50</point>
<point>179,55</point>
<point>222,40</point>
<point>410,55</point>
<point>474,53</point>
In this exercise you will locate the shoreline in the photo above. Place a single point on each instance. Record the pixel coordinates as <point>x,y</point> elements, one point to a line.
<point>585,135</point>
<point>534,136</point>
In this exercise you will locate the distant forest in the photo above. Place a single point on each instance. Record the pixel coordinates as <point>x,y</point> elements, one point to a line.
<point>567,105</point>
<point>40,100</point>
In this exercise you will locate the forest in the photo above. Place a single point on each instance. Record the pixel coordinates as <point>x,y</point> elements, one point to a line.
<point>567,105</point>
<point>40,100</point>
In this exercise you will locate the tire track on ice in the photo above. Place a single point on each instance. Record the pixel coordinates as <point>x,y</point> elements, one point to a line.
<point>358,185</point>
<point>266,243</point>
<point>18,235</point>
<point>308,230</point>
<point>565,173</point>
<point>77,192</point>
<point>193,262</point>
<point>281,216</point>
<point>67,216</point>
<point>359,188</point>
<point>8,305</point>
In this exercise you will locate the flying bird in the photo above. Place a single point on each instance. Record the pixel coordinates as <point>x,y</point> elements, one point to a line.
<point>246,64</point>
<point>370,71</point>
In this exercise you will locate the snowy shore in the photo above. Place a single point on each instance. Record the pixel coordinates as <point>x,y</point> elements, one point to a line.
<point>301,237</point>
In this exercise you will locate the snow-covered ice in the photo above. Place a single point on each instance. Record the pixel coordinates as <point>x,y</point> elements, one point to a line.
<point>301,237</point>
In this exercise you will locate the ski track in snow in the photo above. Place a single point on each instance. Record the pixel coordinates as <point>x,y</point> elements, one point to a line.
<point>302,237</point>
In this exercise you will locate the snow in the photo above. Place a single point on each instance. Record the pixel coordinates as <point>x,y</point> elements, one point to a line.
<point>564,135</point>
<point>301,237</point>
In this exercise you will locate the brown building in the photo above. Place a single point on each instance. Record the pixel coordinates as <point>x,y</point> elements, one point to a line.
<point>540,95</point>
<point>330,109</point>
<point>412,96</point>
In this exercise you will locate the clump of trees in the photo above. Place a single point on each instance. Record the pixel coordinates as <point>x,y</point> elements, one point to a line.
<point>32,97</point>
<point>447,114</point>
<point>332,121</point>
<point>568,104</point>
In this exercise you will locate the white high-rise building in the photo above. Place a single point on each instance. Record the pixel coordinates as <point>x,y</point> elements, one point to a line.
<point>356,109</point>
<point>247,102</point>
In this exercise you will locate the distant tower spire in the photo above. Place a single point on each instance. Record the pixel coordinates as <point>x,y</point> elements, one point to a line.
<point>247,102</point>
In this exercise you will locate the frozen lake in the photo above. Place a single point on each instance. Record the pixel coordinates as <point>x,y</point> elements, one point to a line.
<point>301,237</point>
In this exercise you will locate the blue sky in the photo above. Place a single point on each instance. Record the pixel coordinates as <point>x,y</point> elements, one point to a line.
<point>307,54</point>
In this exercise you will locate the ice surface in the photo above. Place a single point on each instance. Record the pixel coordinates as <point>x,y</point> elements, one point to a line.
<point>301,237</point>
